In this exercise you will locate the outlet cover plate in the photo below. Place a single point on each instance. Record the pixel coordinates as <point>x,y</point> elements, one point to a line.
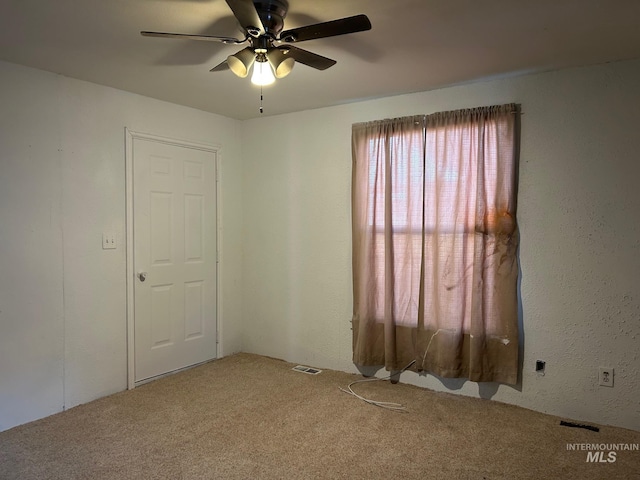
<point>605,376</point>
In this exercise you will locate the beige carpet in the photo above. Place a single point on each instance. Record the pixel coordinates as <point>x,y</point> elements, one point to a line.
<point>251,417</point>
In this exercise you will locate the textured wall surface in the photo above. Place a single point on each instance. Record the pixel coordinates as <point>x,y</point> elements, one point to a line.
<point>580,238</point>
<point>62,183</point>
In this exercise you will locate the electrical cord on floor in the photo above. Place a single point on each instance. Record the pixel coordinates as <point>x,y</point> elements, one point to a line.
<point>388,405</point>
<point>397,407</point>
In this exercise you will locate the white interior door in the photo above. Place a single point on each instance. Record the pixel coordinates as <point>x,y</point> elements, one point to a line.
<point>175,256</point>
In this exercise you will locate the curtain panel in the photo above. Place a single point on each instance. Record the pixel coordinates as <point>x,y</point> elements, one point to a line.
<point>434,243</point>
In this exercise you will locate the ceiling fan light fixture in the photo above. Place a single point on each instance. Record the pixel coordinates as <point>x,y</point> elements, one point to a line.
<point>281,63</point>
<point>262,22</point>
<point>262,73</point>
<point>241,62</point>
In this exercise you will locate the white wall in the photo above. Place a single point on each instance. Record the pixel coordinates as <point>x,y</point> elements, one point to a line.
<point>62,183</point>
<point>286,235</point>
<point>579,205</point>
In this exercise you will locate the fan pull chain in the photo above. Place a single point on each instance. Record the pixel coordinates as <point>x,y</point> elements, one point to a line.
<point>261,109</point>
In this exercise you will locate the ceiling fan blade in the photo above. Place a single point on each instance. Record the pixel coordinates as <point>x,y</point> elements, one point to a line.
<point>246,13</point>
<point>357,23</point>
<point>220,67</point>
<point>308,58</point>
<point>185,36</point>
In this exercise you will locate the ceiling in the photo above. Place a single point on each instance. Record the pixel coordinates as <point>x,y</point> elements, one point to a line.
<point>414,45</point>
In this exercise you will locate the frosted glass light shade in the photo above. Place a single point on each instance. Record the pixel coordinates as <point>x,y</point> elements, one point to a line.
<point>240,63</point>
<point>262,74</point>
<point>281,63</point>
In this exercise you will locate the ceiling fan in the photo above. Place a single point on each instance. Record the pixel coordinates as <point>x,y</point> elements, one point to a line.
<point>270,48</point>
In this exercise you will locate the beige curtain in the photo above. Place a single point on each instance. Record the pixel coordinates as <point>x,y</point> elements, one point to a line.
<point>434,243</point>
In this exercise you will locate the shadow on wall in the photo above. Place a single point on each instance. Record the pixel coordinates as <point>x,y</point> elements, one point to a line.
<point>486,390</point>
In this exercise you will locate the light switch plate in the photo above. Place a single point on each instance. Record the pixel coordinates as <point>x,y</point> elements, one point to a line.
<point>108,241</point>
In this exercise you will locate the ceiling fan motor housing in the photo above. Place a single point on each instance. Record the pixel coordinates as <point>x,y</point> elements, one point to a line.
<point>272,14</point>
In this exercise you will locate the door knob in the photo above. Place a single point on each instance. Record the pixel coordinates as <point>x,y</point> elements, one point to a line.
<point>142,276</point>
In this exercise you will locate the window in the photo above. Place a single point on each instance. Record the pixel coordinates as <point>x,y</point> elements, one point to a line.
<point>434,241</point>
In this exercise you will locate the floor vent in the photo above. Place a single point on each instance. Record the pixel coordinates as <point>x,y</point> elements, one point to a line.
<point>309,370</point>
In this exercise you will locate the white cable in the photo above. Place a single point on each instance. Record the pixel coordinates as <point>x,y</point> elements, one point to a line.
<point>388,405</point>
<point>397,407</point>
<point>428,345</point>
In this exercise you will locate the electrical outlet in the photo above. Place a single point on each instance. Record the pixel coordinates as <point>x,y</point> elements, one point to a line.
<point>605,376</point>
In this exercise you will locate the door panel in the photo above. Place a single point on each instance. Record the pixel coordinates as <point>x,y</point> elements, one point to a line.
<point>174,230</point>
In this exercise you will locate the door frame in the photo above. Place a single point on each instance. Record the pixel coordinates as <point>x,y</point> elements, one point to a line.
<point>130,136</point>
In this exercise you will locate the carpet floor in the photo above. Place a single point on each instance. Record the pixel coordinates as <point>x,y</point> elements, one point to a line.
<point>252,417</point>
